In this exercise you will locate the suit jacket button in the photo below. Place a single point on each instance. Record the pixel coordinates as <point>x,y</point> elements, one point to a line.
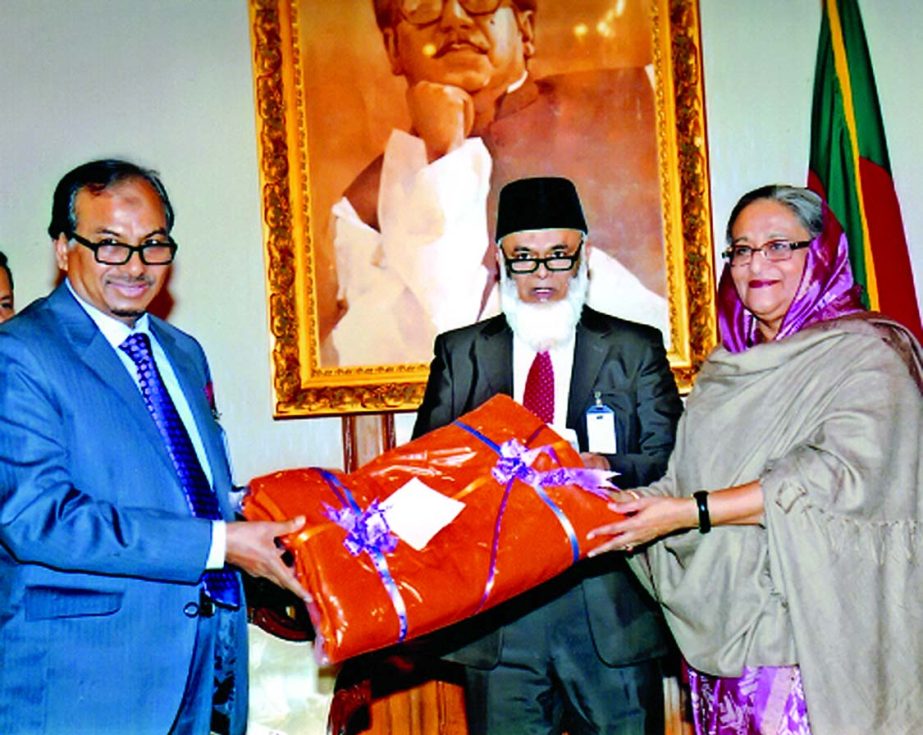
<point>191,610</point>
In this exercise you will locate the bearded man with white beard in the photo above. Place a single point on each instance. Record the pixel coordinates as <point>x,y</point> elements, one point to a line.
<point>582,652</point>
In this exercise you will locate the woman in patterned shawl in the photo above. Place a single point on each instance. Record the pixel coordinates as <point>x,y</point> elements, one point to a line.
<point>785,542</point>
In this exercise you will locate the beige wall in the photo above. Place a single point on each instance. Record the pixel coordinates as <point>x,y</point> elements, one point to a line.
<point>168,83</point>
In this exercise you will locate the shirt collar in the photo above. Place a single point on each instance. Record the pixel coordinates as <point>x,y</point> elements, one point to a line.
<point>518,83</point>
<point>562,348</point>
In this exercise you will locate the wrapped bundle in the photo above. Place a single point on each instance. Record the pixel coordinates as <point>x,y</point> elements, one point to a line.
<point>437,530</point>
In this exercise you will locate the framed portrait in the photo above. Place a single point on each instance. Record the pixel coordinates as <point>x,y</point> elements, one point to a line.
<point>384,136</point>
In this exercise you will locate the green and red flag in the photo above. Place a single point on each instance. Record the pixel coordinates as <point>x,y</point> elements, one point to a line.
<point>850,168</point>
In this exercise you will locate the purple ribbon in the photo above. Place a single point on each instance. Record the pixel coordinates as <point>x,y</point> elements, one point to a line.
<point>367,530</point>
<point>515,462</point>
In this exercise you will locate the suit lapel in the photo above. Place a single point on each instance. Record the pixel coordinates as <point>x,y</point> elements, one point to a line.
<point>192,383</point>
<point>492,354</point>
<point>590,351</point>
<point>92,348</point>
<point>185,370</point>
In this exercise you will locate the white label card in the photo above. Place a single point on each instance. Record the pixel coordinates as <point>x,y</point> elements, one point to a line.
<point>600,430</point>
<point>415,512</point>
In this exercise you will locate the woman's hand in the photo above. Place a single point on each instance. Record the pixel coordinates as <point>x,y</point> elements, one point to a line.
<point>647,518</point>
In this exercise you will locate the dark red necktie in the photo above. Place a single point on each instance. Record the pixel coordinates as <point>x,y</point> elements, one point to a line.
<point>539,394</point>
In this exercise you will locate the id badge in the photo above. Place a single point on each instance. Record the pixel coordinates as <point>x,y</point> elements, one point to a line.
<point>600,427</point>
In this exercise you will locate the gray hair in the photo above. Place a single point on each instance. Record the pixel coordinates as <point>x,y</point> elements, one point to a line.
<point>805,204</point>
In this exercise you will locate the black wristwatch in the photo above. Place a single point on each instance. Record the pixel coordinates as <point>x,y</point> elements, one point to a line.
<point>701,502</point>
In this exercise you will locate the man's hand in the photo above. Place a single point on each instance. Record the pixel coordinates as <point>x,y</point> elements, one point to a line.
<point>594,461</point>
<point>253,547</point>
<point>442,115</point>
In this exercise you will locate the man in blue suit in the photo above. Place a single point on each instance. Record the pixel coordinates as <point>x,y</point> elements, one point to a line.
<point>120,604</point>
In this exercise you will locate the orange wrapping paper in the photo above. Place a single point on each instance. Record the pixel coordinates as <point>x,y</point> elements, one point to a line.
<point>517,544</point>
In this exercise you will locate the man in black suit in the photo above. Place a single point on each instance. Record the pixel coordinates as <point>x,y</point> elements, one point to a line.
<point>581,652</point>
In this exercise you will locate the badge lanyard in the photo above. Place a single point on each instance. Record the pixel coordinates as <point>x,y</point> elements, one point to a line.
<point>600,427</point>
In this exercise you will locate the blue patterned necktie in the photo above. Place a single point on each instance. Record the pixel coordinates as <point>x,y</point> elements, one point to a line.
<point>220,585</point>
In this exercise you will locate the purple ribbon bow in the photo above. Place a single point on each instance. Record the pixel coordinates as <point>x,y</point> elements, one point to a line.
<point>367,530</point>
<point>515,462</point>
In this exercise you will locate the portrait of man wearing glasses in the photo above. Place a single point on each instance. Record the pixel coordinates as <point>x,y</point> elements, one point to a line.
<point>580,653</point>
<point>410,234</point>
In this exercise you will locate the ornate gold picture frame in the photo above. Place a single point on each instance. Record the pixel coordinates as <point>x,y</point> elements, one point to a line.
<point>325,106</point>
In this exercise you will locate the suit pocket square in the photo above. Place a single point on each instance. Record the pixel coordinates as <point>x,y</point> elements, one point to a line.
<point>44,603</point>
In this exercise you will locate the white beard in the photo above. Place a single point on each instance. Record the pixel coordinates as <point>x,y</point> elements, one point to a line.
<point>543,326</point>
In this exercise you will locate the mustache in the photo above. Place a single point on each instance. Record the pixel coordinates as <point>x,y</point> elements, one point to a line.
<point>461,38</point>
<point>131,280</point>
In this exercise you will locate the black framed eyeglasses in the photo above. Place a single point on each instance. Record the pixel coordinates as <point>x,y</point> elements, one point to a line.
<point>424,12</point>
<point>113,252</point>
<point>774,250</point>
<point>557,262</point>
